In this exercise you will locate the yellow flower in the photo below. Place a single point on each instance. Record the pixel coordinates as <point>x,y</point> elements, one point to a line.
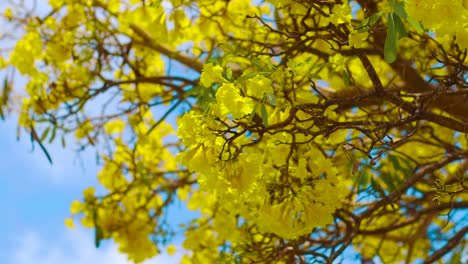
<point>230,101</point>
<point>190,128</point>
<point>422,10</point>
<point>339,62</point>
<point>171,250</point>
<point>180,19</point>
<point>8,14</point>
<point>211,74</point>
<point>85,128</point>
<point>462,37</point>
<point>330,112</point>
<point>76,207</point>
<point>259,85</point>
<point>55,4</point>
<point>88,194</point>
<point>115,126</point>
<point>357,39</point>
<point>340,14</point>
<point>69,223</point>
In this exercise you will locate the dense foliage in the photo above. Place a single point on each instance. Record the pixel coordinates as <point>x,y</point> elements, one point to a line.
<point>307,131</point>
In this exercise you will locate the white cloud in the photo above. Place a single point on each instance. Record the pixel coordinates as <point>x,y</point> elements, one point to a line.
<point>72,247</point>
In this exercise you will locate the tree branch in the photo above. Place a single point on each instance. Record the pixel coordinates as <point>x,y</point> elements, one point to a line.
<point>149,42</point>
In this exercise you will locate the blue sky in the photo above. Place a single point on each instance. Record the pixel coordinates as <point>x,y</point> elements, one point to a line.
<point>35,198</point>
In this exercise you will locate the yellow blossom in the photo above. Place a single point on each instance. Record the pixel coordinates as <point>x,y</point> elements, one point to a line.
<point>340,14</point>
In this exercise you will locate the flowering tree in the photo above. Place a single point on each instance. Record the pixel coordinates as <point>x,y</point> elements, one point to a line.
<point>306,131</point>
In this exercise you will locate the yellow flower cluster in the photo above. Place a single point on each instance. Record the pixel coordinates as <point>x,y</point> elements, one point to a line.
<point>126,214</point>
<point>453,24</point>
<point>282,189</point>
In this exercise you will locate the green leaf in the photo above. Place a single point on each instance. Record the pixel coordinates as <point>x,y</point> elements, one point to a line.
<point>376,186</point>
<point>97,236</point>
<point>6,91</point>
<point>64,144</point>
<point>226,48</point>
<point>402,166</point>
<point>264,116</point>
<point>314,76</point>
<point>2,115</point>
<point>400,27</point>
<point>248,76</point>
<point>195,91</point>
<point>52,137</point>
<point>214,60</point>
<point>271,99</point>
<point>365,25</point>
<point>416,25</point>
<point>252,114</point>
<point>362,177</point>
<point>391,42</point>
<point>229,73</point>
<point>375,18</point>
<point>258,63</point>
<point>44,134</point>
<point>271,67</point>
<point>388,179</point>
<point>346,78</point>
<point>399,9</point>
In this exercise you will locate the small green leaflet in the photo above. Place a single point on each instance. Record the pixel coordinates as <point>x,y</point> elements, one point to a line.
<point>264,116</point>
<point>369,22</point>
<point>362,176</point>
<point>259,64</point>
<point>247,76</point>
<point>346,78</point>
<point>376,186</point>
<point>400,27</point>
<point>226,48</point>
<point>252,114</point>
<point>401,170</point>
<point>52,137</point>
<point>416,25</point>
<point>64,143</point>
<point>271,99</point>
<point>391,42</point>
<point>375,18</point>
<point>399,9</point>
<point>98,236</point>
<point>45,134</point>
<point>405,165</point>
<point>6,91</point>
<point>229,73</point>
<point>389,181</point>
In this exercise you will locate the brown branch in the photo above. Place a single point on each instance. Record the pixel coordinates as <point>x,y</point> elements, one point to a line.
<point>371,72</point>
<point>149,42</point>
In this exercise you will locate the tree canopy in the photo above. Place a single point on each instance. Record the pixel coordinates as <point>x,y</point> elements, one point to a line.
<point>299,131</point>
